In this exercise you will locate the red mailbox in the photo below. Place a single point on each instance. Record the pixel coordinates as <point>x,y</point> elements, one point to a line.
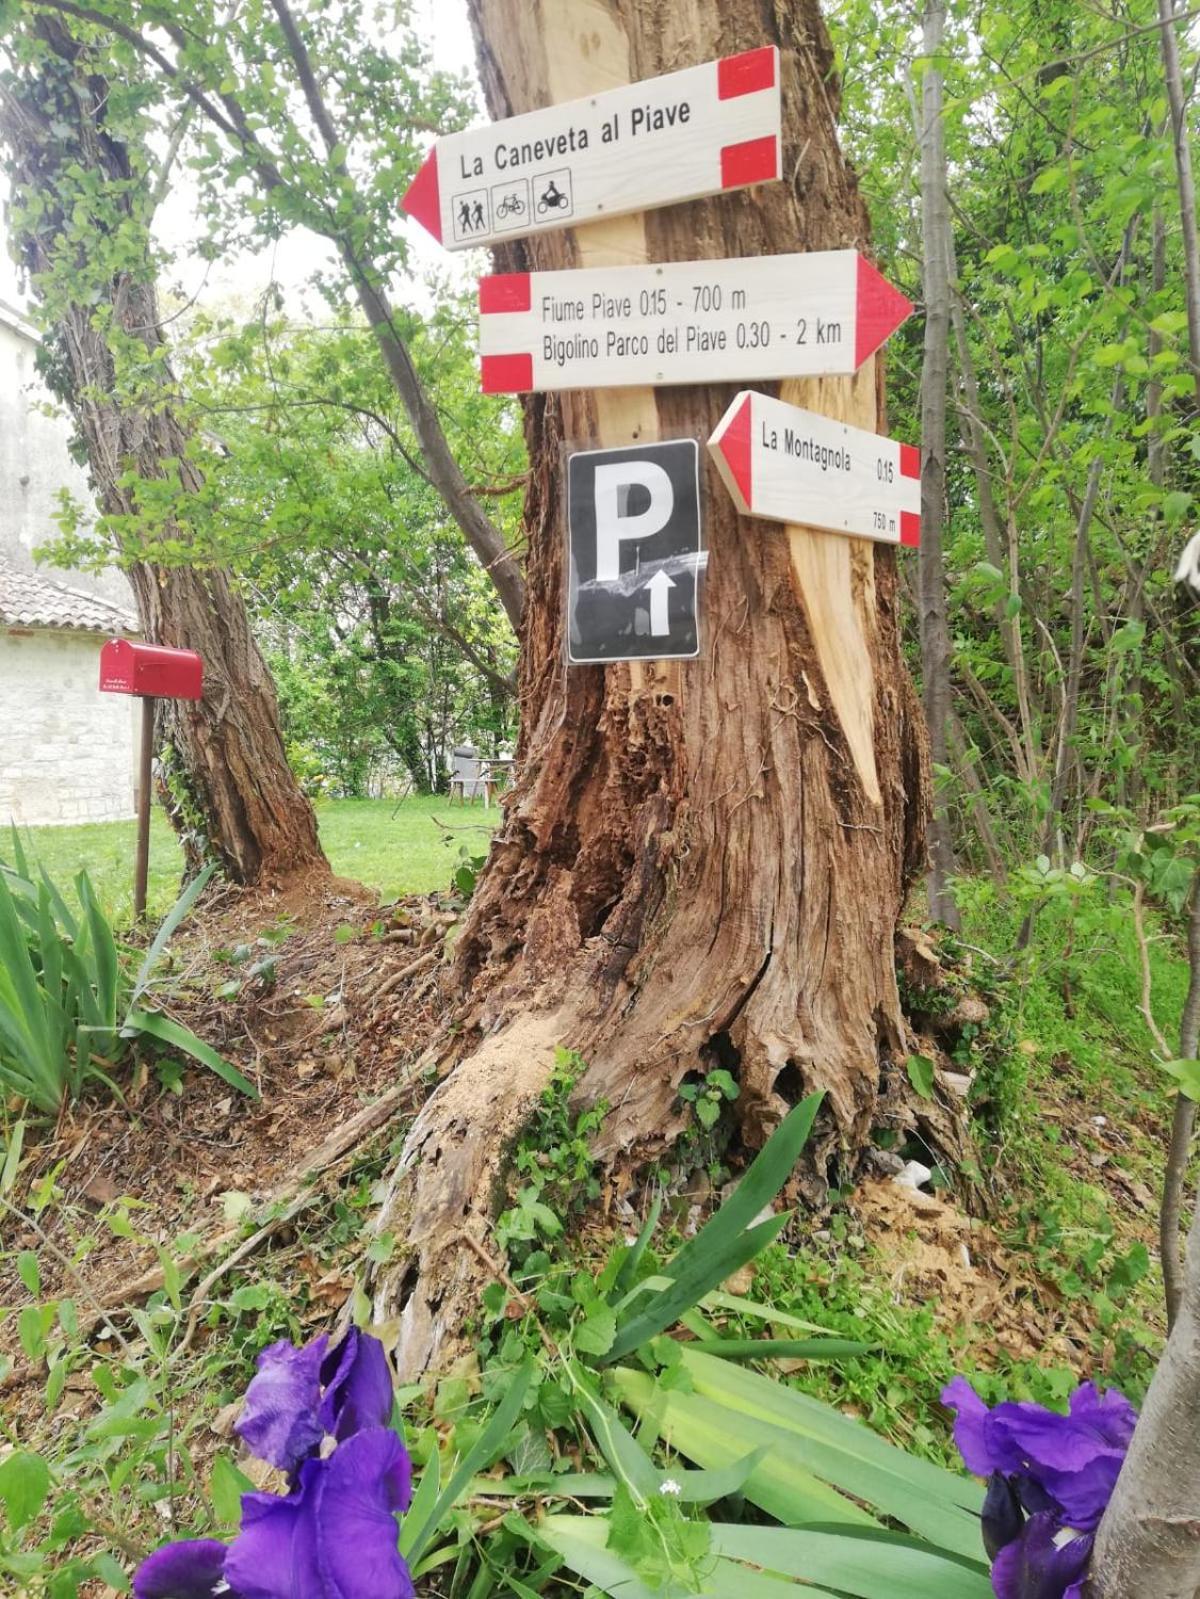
<point>150,671</point>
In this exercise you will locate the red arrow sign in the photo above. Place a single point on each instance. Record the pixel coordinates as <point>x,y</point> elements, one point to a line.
<point>643,145</point>
<point>788,465</point>
<point>769,316</point>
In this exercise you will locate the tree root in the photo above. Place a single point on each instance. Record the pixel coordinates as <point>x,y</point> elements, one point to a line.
<point>443,1195</point>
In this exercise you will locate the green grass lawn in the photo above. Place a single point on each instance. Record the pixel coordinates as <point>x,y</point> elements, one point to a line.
<point>401,853</point>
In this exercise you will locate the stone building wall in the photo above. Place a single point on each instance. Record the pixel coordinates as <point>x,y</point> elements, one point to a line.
<point>66,750</point>
<point>36,464</point>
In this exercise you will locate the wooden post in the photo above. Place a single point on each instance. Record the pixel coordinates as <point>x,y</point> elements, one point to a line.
<point>141,868</point>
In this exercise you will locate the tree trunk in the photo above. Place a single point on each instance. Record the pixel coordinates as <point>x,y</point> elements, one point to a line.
<point>935,625</point>
<point>1177,99</point>
<point>1148,1546</point>
<point>1183,1126</point>
<point>701,862</point>
<point>240,790</point>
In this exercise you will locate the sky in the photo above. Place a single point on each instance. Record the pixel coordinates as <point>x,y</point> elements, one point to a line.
<point>241,278</point>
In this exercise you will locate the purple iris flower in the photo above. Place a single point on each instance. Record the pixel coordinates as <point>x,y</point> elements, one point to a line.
<point>1045,1562</point>
<point>299,1395</point>
<point>279,1421</point>
<point>358,1386</point>
<point>191,1570</point>
<point>334,1536</point>
<point>1050,1480</point>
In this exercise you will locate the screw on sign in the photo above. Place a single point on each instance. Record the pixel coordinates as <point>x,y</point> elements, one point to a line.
<point>635,553</point>
<point>149,672</point>
<point>647,144</point>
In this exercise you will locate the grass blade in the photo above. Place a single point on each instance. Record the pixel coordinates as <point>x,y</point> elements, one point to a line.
<point>156,1025</point>
<point>720,1246</point>
<point>12,1157</point>
<point>167,931</point>
<point>875,1565</point>
<point>488,1445</point>
<point>627,1276</point>
<point>782,1348</point>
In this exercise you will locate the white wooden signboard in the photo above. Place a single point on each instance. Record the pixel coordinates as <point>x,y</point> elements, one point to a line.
<point>643,145</point>
<point>772,316</point>
<point>790,465</point>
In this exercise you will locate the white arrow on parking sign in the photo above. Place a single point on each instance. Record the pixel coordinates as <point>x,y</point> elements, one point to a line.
<point>659,586</point>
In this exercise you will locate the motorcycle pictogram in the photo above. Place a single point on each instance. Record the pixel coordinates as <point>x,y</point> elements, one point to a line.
<point>552,200</point>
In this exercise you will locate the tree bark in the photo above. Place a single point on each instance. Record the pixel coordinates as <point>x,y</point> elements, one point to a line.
<point>1183,1126</point>
<point>935,625</point>
<point>240,789</point>
<point>1148,1545</point>
<point>701,862</point>
<point>1177,100</point>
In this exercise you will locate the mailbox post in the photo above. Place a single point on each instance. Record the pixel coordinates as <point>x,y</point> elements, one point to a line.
<point>149,672</point>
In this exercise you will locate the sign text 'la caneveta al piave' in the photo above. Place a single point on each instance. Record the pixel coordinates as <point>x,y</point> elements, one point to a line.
<point>643,145</point>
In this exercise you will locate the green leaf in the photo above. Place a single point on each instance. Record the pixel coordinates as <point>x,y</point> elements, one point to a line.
<point>920,1071</point>
<point>24,1488</point>
<point>782,1348</point>
<point>29,1272</point>
<point>727,1240</point>
<point>596,1334</point>
<point>781,1482</point>
<point>1176,506</point>
<point>167,931</point>
<point>12,1157</point>
<point>488,1445</point>
<point>1169,322</point>
<point>226,1485</point>
<point>32,1332</point>
<point>171,1032</point>
<point>708,1112</point>
<point>1187,1074</point>
<point>1049,181</point>
<point>871,1565</point>
<point>581,1543</point>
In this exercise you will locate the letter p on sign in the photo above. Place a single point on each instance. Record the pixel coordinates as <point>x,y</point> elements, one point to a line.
<point>635,552</point>
<point>616,517</point>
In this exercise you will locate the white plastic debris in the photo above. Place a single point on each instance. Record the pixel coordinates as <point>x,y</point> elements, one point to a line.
<point>913,1175</point>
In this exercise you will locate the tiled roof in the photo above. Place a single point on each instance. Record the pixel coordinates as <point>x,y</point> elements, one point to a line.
<point>27,599</point>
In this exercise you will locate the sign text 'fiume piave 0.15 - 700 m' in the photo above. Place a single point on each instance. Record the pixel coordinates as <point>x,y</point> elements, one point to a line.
<point>775,316</point>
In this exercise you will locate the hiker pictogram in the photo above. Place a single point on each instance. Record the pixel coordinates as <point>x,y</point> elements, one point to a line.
<point>471,215</point>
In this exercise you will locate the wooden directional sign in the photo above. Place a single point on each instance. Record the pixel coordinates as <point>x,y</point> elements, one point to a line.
<point>771,316</point>
<point>789,465</point>
<point>635,551</point>
<point>643,145</point>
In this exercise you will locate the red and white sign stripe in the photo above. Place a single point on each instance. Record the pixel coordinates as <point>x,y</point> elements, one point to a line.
<point>643,145</point>
<point>789,465</point>
<point>766,317</point>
